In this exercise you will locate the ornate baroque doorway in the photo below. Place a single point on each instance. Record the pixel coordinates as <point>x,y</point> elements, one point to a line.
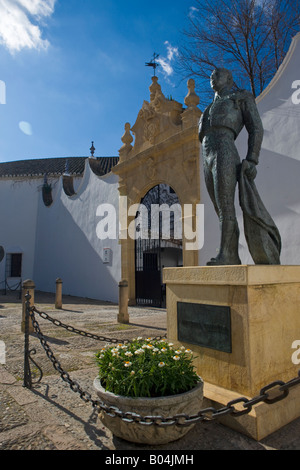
<point>166,153</point>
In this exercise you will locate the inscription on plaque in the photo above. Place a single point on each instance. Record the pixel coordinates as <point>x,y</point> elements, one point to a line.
<point>205,325</point>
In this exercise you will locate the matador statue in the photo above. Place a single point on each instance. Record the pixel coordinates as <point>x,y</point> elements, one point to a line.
<point>220,125</point>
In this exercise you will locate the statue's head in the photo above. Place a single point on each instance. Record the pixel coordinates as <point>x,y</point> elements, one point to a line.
<point>221,78</point>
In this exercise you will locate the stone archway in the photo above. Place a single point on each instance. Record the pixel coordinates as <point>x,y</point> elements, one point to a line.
<point>166,151</point>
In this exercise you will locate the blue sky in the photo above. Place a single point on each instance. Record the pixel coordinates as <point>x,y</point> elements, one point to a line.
<point>73,71</point>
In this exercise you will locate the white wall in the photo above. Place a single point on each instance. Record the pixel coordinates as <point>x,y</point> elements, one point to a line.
<point>18,209</point>
<point>67,245</point>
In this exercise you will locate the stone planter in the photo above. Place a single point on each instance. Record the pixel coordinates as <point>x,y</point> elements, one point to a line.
<point>188,403</point>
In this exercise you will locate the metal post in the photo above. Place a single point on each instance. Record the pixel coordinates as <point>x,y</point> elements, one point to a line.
<point>27,288</point>
<point>27,372</point>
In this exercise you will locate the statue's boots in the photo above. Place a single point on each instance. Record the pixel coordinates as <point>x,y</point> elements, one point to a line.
<point>228,253</point>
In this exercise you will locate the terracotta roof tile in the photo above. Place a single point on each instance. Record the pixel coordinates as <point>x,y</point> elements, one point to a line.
<point>54,166</point>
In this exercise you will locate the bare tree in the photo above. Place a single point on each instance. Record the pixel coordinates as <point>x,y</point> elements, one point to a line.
<point>251,37</point>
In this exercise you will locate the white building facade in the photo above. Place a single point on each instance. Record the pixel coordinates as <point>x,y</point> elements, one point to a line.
<point>49,208</point>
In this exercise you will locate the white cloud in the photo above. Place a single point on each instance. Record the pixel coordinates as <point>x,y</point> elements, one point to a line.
<point>19,23</point>
<point>165,63</point>
<point>2,92</point>
<point>192,12</point>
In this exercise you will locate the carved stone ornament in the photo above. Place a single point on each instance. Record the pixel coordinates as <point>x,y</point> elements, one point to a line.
<point>151,129</point>
<point>127,139</point>
<point>191,100</point>
<point>150,168</point>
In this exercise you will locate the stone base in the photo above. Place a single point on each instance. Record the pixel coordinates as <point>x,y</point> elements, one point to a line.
<point>263,303</point>
<point>262,420</point>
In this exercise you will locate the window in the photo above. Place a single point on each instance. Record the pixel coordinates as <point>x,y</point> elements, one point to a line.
<point>14,265</point>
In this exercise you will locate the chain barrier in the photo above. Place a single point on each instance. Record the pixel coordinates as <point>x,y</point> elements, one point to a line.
<point>13,288</point>
<point>84,333</point>
<point>206,414</point>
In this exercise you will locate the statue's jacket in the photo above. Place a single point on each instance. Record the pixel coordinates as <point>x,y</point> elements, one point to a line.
<point>234,110</point>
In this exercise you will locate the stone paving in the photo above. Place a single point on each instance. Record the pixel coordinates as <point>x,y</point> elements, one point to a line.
<point>53,417</point>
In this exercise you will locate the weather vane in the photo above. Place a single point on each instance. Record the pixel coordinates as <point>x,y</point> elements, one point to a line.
<point>153,62</point>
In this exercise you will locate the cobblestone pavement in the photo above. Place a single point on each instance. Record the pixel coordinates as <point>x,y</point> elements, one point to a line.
<point>52,417</point>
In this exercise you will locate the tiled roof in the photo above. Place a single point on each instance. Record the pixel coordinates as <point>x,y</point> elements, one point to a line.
<point>55,166</point>
<point>103,165</point>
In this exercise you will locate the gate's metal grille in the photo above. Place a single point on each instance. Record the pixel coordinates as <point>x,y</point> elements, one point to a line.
<point>149,247</point>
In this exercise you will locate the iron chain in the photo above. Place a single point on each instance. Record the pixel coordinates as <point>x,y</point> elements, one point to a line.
<point>84,333</point>
<point>206,414</point>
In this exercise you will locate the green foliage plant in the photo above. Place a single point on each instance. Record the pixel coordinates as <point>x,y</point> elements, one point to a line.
<point>146,368</point>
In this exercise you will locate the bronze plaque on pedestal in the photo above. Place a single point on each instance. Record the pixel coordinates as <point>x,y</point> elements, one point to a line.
<point>205,325</point>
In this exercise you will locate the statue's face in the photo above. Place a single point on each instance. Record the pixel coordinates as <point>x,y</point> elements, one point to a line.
<point>218,79</point>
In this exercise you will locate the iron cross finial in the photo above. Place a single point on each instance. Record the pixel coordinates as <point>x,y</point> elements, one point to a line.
<point>153,63</point>
<point>92,149</point>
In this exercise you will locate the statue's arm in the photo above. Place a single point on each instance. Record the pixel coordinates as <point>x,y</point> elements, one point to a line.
<point>203,123</point>
<point>254,127</point>
<point>201,129</point>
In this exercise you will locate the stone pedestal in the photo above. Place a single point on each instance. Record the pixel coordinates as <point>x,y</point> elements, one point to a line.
<point>241,322</point>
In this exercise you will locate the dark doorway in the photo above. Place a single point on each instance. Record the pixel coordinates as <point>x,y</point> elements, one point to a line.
<point>158,243</point>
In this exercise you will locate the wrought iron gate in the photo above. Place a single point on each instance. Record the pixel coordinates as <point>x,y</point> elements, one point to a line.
<point>150,289</point>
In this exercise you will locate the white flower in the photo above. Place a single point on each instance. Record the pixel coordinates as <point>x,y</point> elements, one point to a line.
<point>132,372</point>
<point>139,351</point>
<point>127,364</point>
<point>176,358</point>
<point>129,354</point>
<point>161,364</point>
